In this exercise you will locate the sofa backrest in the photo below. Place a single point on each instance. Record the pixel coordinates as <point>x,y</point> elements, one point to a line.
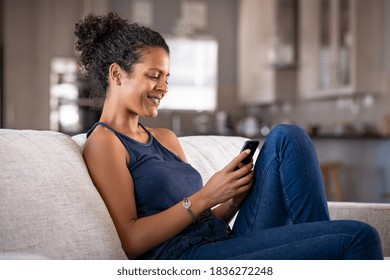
<point>48,204</point>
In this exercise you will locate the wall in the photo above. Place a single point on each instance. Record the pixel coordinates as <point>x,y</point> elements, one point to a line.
<point>34,32</point>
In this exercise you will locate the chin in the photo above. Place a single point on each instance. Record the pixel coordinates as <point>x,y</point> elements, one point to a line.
<point>152,115</point>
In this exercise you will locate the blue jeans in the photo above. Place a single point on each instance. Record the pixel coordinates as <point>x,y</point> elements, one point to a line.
<point>286,216</point>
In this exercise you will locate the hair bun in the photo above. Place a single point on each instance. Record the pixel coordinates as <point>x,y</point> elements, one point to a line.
<point>93,31</point>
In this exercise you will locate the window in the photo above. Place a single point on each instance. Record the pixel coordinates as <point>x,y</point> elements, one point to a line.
<point>193,79</point>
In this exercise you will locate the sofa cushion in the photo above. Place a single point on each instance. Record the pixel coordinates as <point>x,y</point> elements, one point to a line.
<point>48,204</point>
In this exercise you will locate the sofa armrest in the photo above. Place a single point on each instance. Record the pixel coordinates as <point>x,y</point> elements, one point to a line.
<point>375,214</point>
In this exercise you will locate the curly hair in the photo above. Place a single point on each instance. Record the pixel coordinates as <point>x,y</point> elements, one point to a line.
<point>108,39</point>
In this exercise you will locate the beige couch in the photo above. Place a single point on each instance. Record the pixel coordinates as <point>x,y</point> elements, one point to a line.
<point>50,209</point>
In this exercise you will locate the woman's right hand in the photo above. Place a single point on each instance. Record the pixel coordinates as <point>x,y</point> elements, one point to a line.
<point>229,182</point>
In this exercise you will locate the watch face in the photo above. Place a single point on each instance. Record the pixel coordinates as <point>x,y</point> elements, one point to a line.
<point>186,203</point>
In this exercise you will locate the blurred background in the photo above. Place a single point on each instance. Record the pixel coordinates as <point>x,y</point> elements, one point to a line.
<point>238,67</point>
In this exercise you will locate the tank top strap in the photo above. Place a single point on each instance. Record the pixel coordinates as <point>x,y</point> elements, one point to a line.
<point>144,128</point>
<point>113,130</point>
<point>102,124</point>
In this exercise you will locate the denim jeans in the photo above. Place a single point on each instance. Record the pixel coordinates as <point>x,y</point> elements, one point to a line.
<point>286,216</point>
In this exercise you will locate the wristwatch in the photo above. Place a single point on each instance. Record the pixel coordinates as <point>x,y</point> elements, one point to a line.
<point>187,205</point>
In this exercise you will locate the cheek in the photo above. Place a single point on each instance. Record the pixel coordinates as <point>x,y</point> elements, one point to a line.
<point>132,91</point>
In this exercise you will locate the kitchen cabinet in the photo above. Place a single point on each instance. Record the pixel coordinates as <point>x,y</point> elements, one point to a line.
<point>266,51</point>
<point>340,47</point>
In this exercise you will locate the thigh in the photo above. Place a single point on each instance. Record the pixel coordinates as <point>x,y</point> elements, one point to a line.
<point>318,240</point>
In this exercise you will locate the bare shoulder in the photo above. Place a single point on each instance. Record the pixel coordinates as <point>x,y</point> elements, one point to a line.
<point>169,140</point>
<point>164,136</point>
<point>162,132</point>
<point>100,138</point>
<point>103,142</point>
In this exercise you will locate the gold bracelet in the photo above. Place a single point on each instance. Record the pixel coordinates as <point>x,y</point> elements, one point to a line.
<point>187,205</point>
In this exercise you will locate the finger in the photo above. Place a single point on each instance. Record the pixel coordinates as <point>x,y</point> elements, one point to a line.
<point>243,170</point>
<point>244,188</point>
<point>245,179</point>
<point>238,159</point>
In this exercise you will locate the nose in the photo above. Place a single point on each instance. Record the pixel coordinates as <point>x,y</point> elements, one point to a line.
<point>162,87</point>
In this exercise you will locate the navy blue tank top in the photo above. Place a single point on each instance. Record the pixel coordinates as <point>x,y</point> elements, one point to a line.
<point>161,180</point>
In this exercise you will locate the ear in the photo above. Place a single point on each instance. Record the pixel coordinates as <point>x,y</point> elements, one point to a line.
<point>115,74</point>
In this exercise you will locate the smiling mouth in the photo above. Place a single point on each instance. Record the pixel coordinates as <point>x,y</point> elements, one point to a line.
<point>155,100</point>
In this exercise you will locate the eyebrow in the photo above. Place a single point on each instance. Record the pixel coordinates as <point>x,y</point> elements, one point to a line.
<point>159,70</point>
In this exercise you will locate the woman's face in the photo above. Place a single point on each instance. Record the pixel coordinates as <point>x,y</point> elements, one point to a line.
<point>144,88</point>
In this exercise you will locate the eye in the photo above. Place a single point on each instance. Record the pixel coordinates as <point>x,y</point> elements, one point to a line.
<point>153,77</point>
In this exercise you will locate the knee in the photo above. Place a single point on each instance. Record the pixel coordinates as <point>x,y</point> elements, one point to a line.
<point>288,128</point>
<point>287,131</point>
<point>369,232</point>
<point>367,238</point>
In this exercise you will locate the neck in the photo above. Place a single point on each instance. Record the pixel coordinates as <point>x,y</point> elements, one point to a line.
<point>119,119</point>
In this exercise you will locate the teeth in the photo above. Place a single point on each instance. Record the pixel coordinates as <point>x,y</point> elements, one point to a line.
<point>155,100</point>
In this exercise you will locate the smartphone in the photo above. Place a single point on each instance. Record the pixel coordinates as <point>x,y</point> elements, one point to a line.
<point>251,145</point>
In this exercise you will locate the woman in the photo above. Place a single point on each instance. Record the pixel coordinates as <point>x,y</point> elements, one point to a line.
<point>157,201</point>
